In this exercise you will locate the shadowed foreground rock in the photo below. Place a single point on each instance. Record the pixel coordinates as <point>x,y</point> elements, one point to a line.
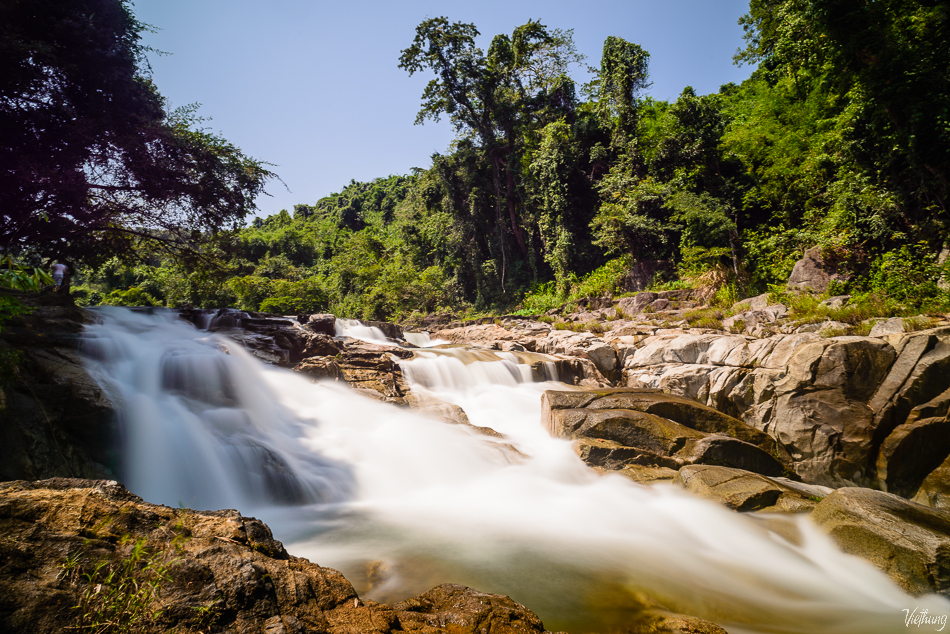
<point>226,573</point>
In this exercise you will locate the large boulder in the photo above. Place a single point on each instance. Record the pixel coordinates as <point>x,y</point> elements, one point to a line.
<point>908,541</point>
<point>814,272</point>
<point>621,426</point>
<point>55,419</point>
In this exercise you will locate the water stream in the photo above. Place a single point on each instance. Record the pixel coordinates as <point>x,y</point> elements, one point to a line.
<point>400,502</point>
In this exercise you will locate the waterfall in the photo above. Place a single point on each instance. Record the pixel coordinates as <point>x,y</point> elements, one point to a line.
<point>400,502</point>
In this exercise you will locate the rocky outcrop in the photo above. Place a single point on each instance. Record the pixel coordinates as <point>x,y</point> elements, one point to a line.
<point>224,572</point>
<point>619,427</point>
<point>908,541</point>
<point>830,402</point>
<point>54,417</point>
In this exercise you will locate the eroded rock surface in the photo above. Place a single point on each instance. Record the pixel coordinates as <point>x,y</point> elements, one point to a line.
<point>226,572</point>
<point>618,427</point>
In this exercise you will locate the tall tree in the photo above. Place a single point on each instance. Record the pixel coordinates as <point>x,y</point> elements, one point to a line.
<point>494,97</point>
<point>90,161</point>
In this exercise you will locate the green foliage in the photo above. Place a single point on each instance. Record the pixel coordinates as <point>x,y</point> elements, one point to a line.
<point>909,275</point>
<point>91,163</point>
<point>118,595</point>
<point>133,296</point>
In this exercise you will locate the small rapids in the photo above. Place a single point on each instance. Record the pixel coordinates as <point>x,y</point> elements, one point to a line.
<point>400,502</point>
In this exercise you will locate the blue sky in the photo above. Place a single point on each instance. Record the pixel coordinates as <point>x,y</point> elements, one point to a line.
<point>314,88</point>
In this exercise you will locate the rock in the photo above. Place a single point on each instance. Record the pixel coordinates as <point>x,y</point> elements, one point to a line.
<point>833,329</point>
<point>907,541</point>
<point>620,427</point>
<point>741,490</point>
<point>321,323</point>
<point>935,489</point>
<point>892,326</point>
<point>916,448</point>
<point>320,345</point>
<point>585,345</point>
<point>461,610</point>
<point>375,367</point>
<point>921,373</point>
<point>222,567</point>
<point>814,273</point>
<point>721,450</point>
<point>55,420</point>
<point>392,331</point>
<point>320,368</point>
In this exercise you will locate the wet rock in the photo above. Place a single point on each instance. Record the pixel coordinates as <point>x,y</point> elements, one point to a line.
<point>742,490</point>
<point>392,331</point>
<point>374,367</point>
<point>320,323</point>
<point>907,541</point>
<point>55,420</point>
<point>581,344</point>
<point>617,427</point>
<point>318,368</point>
<point>935,489</point>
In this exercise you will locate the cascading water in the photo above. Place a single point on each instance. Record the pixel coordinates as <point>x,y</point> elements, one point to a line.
<point>400,502</point>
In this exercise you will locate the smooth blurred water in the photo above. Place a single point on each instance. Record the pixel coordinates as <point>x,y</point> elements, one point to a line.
<point>400,502</point>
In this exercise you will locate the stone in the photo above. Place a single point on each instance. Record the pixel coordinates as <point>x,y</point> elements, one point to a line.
<point>814,273</point>
<point>643,273</point>
<point>55,419</point>
<point>907,541</point>
<point>617,428</point>
<point>462,610</point>
<point>392,331</point>
<point>935,489</point>
<point>731,452</point>
<point>741,490</point>
<point>892,326</point>
<point>320,368</point>
<point>916,448</point>
<point>321,323</point>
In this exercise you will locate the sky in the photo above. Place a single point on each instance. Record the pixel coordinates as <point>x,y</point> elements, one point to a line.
<point>313,87</point>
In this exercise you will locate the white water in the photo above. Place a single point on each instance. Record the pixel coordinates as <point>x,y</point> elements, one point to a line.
<point>357,330</point>
<point>440,503</point>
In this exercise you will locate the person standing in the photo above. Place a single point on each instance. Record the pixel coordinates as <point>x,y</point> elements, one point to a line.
<point>59,272</point>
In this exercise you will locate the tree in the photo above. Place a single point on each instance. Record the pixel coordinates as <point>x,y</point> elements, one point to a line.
<point>90,161</point>
<point>495,97</point>
<point>623,75</point>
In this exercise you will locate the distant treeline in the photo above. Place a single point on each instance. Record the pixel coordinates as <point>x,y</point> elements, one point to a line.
<point>840,138</point>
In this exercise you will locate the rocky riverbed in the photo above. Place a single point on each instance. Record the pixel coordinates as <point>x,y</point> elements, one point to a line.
<point>772,417</point>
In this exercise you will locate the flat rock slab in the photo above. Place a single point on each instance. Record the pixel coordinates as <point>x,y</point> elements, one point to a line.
<point>908,541</point>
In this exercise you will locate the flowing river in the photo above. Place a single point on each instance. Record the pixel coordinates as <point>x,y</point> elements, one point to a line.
<point>400,503</point>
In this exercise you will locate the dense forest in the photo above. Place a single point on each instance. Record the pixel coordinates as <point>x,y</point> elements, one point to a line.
<point>840,138</point>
